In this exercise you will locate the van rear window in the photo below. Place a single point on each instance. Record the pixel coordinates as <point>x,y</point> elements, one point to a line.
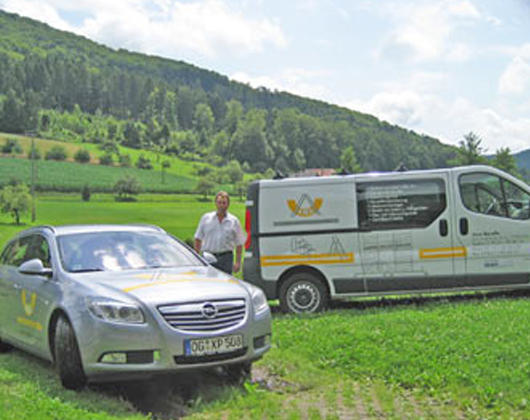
<point>400,204</point>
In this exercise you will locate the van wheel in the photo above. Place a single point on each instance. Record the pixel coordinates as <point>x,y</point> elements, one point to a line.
<point>67,356</point>
<point>303,292</point>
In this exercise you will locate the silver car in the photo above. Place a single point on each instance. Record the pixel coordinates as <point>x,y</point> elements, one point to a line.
<point>112,302</point>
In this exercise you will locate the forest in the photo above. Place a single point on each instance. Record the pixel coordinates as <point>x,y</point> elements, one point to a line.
<point>59,85</point>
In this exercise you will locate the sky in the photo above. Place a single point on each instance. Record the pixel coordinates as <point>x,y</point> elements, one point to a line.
<point>438,67</point>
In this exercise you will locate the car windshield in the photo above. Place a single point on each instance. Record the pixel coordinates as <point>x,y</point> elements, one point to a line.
<point>115,251</point>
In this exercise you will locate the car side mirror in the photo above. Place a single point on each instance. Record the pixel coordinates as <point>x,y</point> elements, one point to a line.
<point>34,267</point>
<point>209,257</point>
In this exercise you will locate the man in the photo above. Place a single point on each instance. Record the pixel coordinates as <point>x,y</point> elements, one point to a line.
<point>219,232</point>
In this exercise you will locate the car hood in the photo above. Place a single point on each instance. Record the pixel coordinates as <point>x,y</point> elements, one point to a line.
<point>175,285</point>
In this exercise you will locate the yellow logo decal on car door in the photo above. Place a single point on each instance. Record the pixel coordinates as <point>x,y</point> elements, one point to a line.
<point>29,308</point>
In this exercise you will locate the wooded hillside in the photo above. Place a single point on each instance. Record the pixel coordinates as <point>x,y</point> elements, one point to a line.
<point>63,86</point>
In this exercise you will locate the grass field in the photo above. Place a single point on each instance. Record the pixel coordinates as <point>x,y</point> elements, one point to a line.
<point>446,356</point>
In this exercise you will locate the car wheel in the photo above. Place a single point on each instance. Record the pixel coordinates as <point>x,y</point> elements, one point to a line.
<point>67,356</point>
<point>4,347</point>
<point>238,373</point>
<point>303,292</point>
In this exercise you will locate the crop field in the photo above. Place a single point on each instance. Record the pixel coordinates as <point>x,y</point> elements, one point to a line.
<point>178,166</point>
<point>443,356</point>
<point>68,176</point>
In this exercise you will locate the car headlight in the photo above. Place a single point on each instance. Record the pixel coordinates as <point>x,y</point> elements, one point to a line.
<point>114,311</point>
<point>259,301</point>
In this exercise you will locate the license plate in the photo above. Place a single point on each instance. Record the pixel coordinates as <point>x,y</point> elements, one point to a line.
<point>215,345</point>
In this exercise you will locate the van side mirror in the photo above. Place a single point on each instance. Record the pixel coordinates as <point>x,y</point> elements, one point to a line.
<point>34,267</point>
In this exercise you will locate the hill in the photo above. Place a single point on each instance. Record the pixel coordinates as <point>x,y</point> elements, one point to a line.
<point>51,79</point>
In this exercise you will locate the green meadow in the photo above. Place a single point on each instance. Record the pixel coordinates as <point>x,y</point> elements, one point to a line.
<point>443,356</point>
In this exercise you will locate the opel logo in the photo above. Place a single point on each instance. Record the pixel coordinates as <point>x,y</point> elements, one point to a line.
<point>209,310</point>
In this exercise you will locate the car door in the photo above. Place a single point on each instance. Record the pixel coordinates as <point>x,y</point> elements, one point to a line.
<point>6,285</point>
<point>405,237</point>
<point>492,215</point>
<point>29,295</point>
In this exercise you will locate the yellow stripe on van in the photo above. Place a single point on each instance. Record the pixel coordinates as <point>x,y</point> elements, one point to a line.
<point>333,258</point>
<point>449,252</point>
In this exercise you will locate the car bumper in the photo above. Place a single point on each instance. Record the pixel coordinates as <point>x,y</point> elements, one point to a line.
<point>155,347</point>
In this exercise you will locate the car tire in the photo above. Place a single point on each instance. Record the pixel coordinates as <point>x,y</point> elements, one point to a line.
<point>303,292</point>
<point>5,347</point>
<point>67,356</point>
<point>238,373</point>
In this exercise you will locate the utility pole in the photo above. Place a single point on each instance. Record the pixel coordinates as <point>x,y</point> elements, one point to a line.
<point>33,174</point>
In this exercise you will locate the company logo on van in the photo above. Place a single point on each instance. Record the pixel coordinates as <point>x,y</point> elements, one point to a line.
<point>305,206</point>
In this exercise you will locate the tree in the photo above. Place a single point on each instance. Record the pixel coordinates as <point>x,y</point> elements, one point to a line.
<point>165,165</point>
<point>82,156</point>
<point>56,153</point>
<point>126,187</point>
<point>85,193</point>
<point>348,161</point>
<point>205,187</point>
<point>505,161</point>
<point>15,199</point>
<point>469,151</point>
<point>143,163</point>
<point>234,171</point>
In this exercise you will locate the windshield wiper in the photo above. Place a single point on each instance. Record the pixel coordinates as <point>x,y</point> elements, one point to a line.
<point>86,270</point>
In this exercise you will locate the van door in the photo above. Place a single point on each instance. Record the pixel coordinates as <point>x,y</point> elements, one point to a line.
<point>492,219</point>
<point>406,239</point>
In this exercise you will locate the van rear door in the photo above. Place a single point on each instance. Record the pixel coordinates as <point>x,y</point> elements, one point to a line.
<point>406,241</point>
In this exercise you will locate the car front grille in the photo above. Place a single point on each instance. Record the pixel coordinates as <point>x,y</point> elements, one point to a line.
<point>212,315</point>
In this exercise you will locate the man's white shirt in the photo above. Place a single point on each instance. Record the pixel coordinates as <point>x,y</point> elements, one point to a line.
<point>219,237</point>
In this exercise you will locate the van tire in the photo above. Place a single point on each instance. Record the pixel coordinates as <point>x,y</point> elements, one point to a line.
<point>67,356</point>
<point>303,292</point>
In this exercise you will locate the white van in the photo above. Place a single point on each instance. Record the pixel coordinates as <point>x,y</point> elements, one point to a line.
<point>320,238</point>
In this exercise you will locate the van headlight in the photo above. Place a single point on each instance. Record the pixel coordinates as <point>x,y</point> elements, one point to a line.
<point>259,300</point>
<point>114,311</point>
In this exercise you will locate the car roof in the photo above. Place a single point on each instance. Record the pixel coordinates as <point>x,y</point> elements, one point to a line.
<point>92,228</point>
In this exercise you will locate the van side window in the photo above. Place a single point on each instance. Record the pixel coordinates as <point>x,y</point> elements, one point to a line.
<point>400,204</point>
<point>495,196</point>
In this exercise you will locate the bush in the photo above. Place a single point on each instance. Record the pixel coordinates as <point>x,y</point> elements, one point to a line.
<point>125,161</point>
<point>34,153</point>
<point>143,163</point>
<point>82,156</point>
<point>85,193</point>
<point>12,146</point>
<point>56,153</point>
<point>106,159</point>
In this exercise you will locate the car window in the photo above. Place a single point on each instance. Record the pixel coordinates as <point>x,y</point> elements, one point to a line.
<point>16,253</point>
<point>7,253</point>
<point>40,249</point>
<point>113,251</point>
